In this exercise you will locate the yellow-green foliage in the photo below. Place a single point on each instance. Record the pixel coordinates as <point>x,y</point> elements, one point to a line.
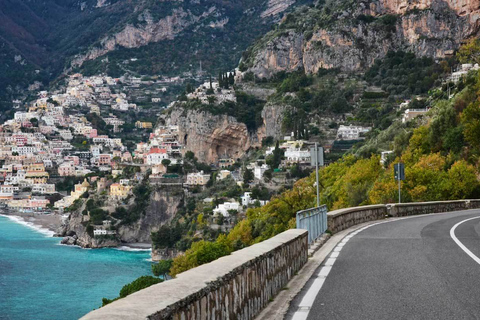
<point>441,163</point>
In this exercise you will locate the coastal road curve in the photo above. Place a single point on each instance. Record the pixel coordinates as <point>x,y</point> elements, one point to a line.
<point>425,267</point>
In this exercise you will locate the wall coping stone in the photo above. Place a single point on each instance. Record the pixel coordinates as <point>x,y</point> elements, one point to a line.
<point>340,212</point>
<point>183,289</point>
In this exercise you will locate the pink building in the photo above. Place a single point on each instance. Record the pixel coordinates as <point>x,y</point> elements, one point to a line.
<point>93,134</point>
<point>104,159</point>
<point>66,169</point>
<point>74,159</point>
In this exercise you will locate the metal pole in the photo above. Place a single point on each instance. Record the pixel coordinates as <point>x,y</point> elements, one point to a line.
<point>399,187</point>
<point>316,173</point>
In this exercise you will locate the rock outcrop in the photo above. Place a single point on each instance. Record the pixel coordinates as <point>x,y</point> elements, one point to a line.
<point>352,37</point>
<point>211,137</point>
<point>162,208</point>
<point>136,36</point>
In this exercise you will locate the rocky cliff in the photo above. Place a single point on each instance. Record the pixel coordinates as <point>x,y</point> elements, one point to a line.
<point>161,209</point>
<point>211,137</point>
<point>149,31</point>
<point>189,27</point>
<point>350,35</point>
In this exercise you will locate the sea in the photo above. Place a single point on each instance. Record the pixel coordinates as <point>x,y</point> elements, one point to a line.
<point>40,279</point>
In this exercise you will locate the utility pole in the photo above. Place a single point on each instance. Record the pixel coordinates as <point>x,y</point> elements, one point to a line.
<point>316,154</point>
<point>399,191</point>
<point>316,174</point>
<point>399,172</point>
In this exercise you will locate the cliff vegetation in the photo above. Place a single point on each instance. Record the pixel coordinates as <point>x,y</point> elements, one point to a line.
<point>440,152</point>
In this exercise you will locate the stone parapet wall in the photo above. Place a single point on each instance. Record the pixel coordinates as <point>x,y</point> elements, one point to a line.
<point>342,219</point>
<point>410,209</point>
<point>237,286</point>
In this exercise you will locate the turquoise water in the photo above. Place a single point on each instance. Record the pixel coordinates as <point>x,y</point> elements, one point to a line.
<point>42,280</point>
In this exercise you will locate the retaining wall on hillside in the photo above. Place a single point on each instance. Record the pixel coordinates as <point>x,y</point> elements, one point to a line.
<point>237,286</point>
<point>342,219</point>
<point>240,285</point>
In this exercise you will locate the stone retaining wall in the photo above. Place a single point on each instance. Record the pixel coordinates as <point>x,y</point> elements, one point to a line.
<point>237,286</point>
<point>342,219</point>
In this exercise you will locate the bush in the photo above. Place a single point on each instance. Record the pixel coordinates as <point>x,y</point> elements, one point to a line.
<point>137,285</point>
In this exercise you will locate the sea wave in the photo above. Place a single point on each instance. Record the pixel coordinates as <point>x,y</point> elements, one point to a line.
<point>126,248</point>
<point>45,231</point>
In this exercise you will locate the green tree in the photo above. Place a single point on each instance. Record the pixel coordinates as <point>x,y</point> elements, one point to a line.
<point>471,123</point>
<point>162,268</point>
<point>469,52</point>
<point>137,285</point>
<point>248,176</point>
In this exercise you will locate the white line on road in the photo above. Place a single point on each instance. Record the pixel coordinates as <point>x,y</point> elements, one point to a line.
<point>461,245</point>
<point>309,298</point>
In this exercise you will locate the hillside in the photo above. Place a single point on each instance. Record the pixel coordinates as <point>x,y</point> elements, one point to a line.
<point>351,35</point>
<point>118,36</point>
<point>440,151</point>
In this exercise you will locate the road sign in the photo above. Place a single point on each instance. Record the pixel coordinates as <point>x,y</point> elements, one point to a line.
<point>319,157</point>
<point>399,171</point>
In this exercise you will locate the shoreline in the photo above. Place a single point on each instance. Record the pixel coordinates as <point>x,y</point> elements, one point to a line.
<point>48,224</point>
<point>42,223</point>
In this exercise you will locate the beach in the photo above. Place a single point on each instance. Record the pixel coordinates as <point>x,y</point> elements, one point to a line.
<point>44,223</point>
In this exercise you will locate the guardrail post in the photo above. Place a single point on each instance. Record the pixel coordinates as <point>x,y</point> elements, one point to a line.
<point>314,220</point>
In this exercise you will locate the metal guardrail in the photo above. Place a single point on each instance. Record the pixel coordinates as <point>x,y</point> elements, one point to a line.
<point>314,220</point>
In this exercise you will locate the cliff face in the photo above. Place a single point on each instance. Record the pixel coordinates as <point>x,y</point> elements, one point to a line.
<point>161,209</point>
<point>136,36</point>
<point>196,20</point>
<point>211,137</point>
<point>272,116</point>
<point>352,37</point>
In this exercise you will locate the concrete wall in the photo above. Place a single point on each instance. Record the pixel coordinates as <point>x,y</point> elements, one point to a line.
<point>342,219</point>
<point>237,286</point>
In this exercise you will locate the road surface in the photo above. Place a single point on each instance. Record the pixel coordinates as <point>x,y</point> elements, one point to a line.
<point>413,268</point>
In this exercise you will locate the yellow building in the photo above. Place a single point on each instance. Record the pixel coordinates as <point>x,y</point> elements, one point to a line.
<point>143,125</point>
<point>37,177</point>
<point>79,190</point>
<point>36,167</point>
<point>119,191</point>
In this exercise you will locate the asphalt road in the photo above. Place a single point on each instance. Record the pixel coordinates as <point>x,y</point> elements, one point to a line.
<point>403,269</point>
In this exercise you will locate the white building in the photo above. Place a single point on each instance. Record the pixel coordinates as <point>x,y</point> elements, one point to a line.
<point>258,171</point>
<point>297,155</point>
<point>225,207</point>
<point>384,156</point>
<point>410,114</point>
<point>464,69</point>
<point>197,179</point>
<point>351,132</point>
<point>247,200</point>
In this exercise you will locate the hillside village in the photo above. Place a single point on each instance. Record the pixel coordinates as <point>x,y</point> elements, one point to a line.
<point>68,144</point>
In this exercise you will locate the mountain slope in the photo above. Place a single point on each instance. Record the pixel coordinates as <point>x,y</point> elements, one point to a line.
<point>170,36</point>
<point>350,35</point>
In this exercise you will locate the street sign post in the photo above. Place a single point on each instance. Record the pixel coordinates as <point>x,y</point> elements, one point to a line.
<point>316,159</point>
<point>399,173</point>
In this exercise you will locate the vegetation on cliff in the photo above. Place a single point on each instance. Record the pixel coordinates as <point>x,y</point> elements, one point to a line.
<point>137,285</point>
<point>440,153</point>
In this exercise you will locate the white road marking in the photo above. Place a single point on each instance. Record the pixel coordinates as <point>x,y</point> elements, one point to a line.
<point>309,298</point>
<point>461,245</point>
<point>330,261</point>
